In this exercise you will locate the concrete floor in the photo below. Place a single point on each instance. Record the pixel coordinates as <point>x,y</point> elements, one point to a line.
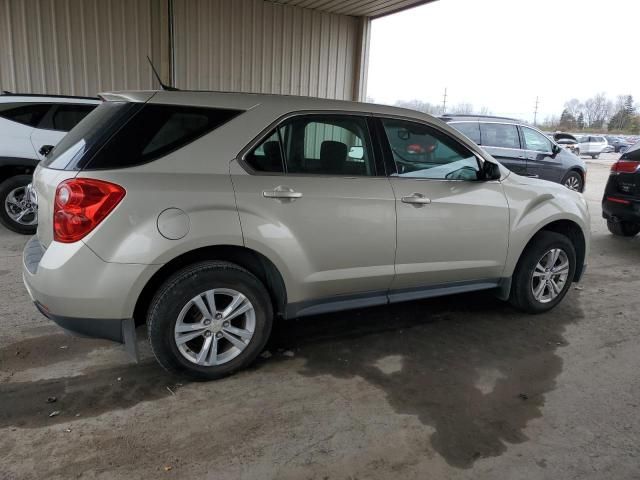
<point>462,387</point>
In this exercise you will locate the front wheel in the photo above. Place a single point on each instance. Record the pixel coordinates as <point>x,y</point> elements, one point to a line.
<point>17,212</point>
<point>209,320</point>
<point>595,156</point>
<point>544,273</point>
<point>623,229</point>
<point>573,181</point>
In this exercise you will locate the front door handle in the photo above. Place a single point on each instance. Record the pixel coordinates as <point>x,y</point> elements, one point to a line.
<point>416,199</point>
<point>282,192</point>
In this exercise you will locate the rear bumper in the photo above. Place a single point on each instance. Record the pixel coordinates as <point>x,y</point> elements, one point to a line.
<point>86,296</point>
<point>120,331</point>
<point>617,211</point>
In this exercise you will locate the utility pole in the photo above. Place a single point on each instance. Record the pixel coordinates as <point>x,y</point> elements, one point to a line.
<point>444,101</point>
<point>535,113</point>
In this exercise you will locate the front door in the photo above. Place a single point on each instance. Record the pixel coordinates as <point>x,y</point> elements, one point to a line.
<point>311,197</point>
<point>452,226</point>
<point>541,161</point>
<point>502,142</point>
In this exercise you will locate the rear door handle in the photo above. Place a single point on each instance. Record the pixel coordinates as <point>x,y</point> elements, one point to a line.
<point>416,199</point>
<point>282,193</point>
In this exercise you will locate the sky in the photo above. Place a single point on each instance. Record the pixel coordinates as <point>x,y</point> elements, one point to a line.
<point>502,54</point>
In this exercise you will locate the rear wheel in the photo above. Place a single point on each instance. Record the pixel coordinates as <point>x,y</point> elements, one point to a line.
<point>209,320</point>
<point>623,229</point>
<point>574,181</point>
<point>597,155</point>
<point>17,213</point>
<point>544,273</point>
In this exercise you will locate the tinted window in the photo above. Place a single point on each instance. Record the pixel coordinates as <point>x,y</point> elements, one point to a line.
<point>422,152</point>
<point>267,157</point>
<point>499,135</point>
<point>535,140</point>
<point>67,116</point>
<point>157,130</point>
<point>470,129</point>
<point>26,113</point>
<point>75,148</point>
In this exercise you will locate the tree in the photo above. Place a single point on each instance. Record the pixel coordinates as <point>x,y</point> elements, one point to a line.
<point>580,121</point>
<point>597,110</point>
<point>574,107</point>
<point>419,105</point>
<point>462,109</point>
<point>629,107</point>
<point>567,120</point>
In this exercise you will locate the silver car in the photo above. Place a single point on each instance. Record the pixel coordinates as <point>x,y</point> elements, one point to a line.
<point>208,216</point>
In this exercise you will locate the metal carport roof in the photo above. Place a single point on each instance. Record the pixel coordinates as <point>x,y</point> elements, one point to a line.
<point>358,8</point>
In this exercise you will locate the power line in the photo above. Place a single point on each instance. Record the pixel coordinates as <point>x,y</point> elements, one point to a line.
<point>444,101</point>
<point>535,113</point>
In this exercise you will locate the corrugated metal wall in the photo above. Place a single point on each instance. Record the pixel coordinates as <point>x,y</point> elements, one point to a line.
<point>82,47</point>
<point>257,46</point>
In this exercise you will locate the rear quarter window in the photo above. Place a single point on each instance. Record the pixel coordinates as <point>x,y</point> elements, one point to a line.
<point>470,129</point>
<point>155,131</point>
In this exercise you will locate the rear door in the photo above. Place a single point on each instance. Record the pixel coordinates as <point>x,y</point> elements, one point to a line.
<point>502,141</point>
<point>313,198</point>
<point>17,123</point>
<point>60,119</point>
<point>452,227</point>
<point>541,161</point>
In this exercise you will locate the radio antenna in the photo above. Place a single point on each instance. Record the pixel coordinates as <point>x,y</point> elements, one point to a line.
<point>155,73</point>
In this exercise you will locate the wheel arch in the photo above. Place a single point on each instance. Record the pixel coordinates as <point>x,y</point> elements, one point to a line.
<point>253,261</point>
<point>574,233</point>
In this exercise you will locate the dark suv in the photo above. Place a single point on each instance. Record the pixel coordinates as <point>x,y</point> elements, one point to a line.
<point>523,149</point>
<point>621,202</point>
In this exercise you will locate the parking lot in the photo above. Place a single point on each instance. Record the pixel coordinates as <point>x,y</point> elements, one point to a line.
<point>459,387</point>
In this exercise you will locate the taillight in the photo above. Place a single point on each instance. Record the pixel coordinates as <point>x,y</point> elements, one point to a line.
<point>80,205</point>
<point>625,166</point>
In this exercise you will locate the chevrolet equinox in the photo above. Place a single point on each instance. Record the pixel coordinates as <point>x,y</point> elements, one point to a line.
<point>208,215</point>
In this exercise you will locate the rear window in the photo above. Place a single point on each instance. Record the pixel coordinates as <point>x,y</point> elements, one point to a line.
<point>67,115</point>
<point>28,114</point>
<point>121,135</point>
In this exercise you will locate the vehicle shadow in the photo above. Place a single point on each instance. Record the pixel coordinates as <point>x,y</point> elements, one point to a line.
<point>469,366</point>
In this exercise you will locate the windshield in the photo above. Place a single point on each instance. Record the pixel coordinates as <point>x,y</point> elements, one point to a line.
<point>84,139</point>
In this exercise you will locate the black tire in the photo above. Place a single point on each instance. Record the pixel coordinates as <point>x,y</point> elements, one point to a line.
<point>571,178</point>
<point>188,283</point>
<point>623,229</point>
<point>6,188</point>
<point>595,156</point>
<point>521,296</point>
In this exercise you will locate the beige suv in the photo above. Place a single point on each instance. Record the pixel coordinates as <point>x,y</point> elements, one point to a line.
<point>208,215</point>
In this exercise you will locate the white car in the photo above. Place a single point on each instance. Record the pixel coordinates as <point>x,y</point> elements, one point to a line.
<point>593,145</point>
<point>27,124</point>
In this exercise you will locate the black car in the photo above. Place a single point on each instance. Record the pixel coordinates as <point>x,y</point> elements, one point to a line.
<point>523,149</point>
<point>621,202</point>
<point>620,145</point>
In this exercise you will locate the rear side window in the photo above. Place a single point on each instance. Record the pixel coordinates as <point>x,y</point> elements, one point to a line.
<point>499,135</point>
<point>470,129</point>
<point>28,114</point>
<point>155,131</point>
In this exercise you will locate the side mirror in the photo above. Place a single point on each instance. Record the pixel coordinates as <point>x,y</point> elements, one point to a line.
<point>45,150</point>
<point>490,171</point>
<point>556,149</point>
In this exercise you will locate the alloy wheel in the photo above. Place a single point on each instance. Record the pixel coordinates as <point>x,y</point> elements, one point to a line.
<point>214,327</point>
<point>550,275</point>
<point>20,208</point>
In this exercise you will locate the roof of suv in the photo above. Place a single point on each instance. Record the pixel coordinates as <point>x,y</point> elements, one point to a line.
<point>456,117</point>
<point>247,101</point>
